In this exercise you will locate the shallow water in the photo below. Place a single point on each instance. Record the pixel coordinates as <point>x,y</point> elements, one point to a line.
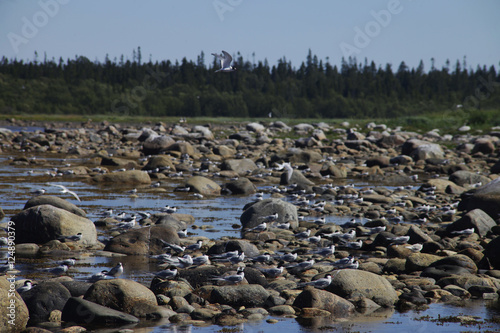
<point>219,214</point>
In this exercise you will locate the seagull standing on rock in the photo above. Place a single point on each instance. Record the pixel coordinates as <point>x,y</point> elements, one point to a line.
<point>225,62</point>
<point>116,271</point>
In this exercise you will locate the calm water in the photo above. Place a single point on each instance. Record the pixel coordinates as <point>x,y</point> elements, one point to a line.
<point>219,214</point>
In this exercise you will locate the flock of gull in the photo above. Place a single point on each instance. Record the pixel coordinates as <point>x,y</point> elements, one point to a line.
<point>321,244</point>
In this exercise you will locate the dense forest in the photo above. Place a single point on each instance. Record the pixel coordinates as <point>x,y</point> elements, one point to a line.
<point>315,89</point>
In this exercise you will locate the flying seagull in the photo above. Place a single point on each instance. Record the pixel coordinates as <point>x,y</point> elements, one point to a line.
<point>225,62</point>
<point>65,190</point>
<point>288,168</point>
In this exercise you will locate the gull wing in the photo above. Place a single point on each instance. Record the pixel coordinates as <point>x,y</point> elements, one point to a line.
<point>227,60</point>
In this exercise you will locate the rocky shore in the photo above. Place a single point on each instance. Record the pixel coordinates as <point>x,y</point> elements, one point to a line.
<point>430,217</point>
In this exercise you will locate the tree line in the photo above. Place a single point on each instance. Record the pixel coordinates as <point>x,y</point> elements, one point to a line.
<point>315,89</point>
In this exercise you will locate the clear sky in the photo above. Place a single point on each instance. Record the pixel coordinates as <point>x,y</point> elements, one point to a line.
<point>385,31</point>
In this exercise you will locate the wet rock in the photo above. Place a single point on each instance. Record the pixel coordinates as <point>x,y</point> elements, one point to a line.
<point>203,185</point>
<point>351,283</point>
<point>441,271</point>
<point>120,294</point>
<point>282,310</point>
<point>249,295</point>
<point>13,310</point>
<point>56,202</point>
<point>254,215</point>
<point>43,223</point>
<point>477,219</point>
<point>325,300</point>
<point>240,186</point>
<point>401,160</point>
<point>43,299</point>
<point>129,177</point>
<point>27,249</point>
<point>143,241</point>
<point>81,311</point>
<point>464,177</point>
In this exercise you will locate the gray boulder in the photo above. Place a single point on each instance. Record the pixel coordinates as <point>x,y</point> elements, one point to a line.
<point>422,150</point>
<point>351,283</point>
<point>253,215</point>
<point>43,299</point>
<point>56,202</point>
<point>124,177</point>
<point>44,223</point>
<point>477,219</point>
<point>203,185</point>
<point>241,166</point>
<point>155,144</point>
<point>159,161</point>
<point>143,241</point>
<point>322,299</point>
<point>120,294</point>
<point>240,186</point>
<point>486,198</point>
<point>463,177</point>
<point>247,295</point>
<point>81,311</point>
<point>255,127</point>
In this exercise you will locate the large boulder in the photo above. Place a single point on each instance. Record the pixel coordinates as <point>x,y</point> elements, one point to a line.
<point>422,150</point>
<point>129,177</point>
<point>492,250</point>
<point>352,283</point>
<point>254,215</point>
<point>248,248</point>
<point>155,144</point>
<point>477,219</point>
<point>242,166</point>
<point>13,310</point>
<point>325,300</point>
<point>159,162</point>
<point>248,295</point>
<point>81,311</point>
<point>464,177</point>
<point>486,198</point>
<point>241,185</point>
<point>43,299</point>
<point>203,185</point>
<point>143,241</point>
<point>121,294</point>
<point>44,223</point>
<point>56,202</point>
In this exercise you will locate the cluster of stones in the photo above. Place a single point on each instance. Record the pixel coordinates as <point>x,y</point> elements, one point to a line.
<point>451,267</point>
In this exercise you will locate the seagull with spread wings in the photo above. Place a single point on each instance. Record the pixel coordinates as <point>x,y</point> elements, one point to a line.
<point>65,190</point>
<point>225,62</point>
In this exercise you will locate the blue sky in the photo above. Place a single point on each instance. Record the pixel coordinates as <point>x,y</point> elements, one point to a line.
<point>385,31</point>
